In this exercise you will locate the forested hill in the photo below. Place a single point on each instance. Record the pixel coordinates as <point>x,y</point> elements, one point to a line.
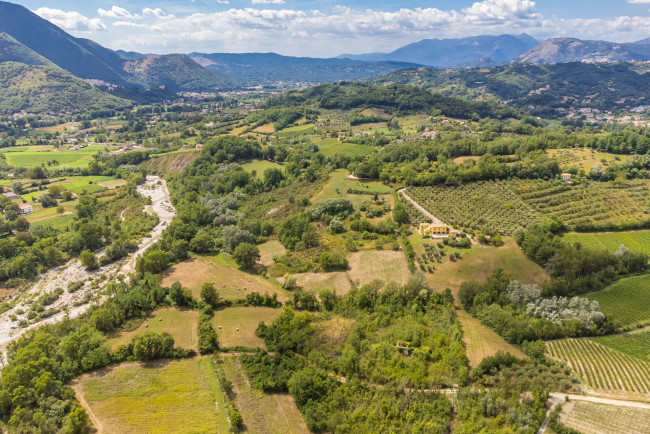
<point>538,89</point>
<point>49,89</point>
<point>396,98</point>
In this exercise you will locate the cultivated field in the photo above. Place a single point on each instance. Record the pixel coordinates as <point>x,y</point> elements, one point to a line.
<point>181,324</point>
<point>270,249</point>
<point>315,282</point>
<point>29,159</point>
<point>339,184</point>
<point>585,158</point>
<point>259,166</point>
<point>592,418</point>
<point>636,241</point>
<point>158,397</point>
<point>262,412</point>
<point>626,301</point>
<point>589,202</point>
<point>603,369</point>
<point>221,270</point>
<point>386,265</point>
<point>483,205</point>
<point>246,319</point>
<point>635,343</point>
<point>331,147</point>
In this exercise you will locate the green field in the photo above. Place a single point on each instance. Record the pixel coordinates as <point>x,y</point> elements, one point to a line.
<point>626,301</point>
<point>59,223</point>
<point>636,241</point>
<point>181,324</point>
<point>331,147</point>
<point>158,397</point>
<point>246,319</point>
<point>259,166</point>
<point>297,131</point>
<point>588,417</point>
<point>635,343</point>
<point>339,184</point>
<point>29,159</point>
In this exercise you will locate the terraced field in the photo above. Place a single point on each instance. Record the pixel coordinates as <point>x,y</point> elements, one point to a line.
<point>636,241</point>
<point>603,369</point>
<point>627,301</point>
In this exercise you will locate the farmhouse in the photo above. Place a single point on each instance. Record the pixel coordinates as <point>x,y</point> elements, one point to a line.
<point>434,230</point>
<point>25,208</point>
<point>566,177</point>
<point>11,195</point>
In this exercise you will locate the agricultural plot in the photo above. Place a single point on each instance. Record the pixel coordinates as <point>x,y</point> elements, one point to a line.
<point>29,159</point>
<point>385,265</point>
<point>181,324</point>
<point>259,166</point>
<point>90,184</point>
<point>626,301</point>
<point>269,250</point>
<point>480,206</point>
<point>603,369</point>
<point>339,282</point>
<point>262,412</point>
<point>636,241</point>
<point>236,326</point>
<point>230,282</point>
<point>636,343</point>
<point>296,131</point>
<point>585,158</point>
<point>331,334</point>
<point>331,147</point>
<point>339,184</point>
<point>586,203</point>
<point>159,397</point>
<point>592,418</point>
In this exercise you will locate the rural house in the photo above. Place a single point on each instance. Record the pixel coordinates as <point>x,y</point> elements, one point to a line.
<point>434,230</point>
<point>25,208</point>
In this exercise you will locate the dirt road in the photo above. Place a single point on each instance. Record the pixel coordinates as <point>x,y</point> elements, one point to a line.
<point>420,208</point>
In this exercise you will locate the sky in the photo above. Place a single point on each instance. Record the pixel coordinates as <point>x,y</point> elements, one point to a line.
<point>319,28</point>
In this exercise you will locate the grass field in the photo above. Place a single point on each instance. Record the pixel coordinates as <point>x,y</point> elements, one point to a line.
<point>56,222</point>
<point>331,334</point>
<point>626,301</point>
<point>90,184</point>
<point>270,249</point>
<point>246,319</point>
<point>181,324</point>
<point>592,418</point>
<point>158,397</point>
<point>636,241</point>
<point>603,369</point>
<point>262,413</point>
<point>585,158</point>
<point>331,147</point>
<point>386,265</point>
<point>339,184</point>
<point>315,282</point>
<point>29,159</point>
<point>297,131</point>
<point>221,269</point>
<point>259,166</point>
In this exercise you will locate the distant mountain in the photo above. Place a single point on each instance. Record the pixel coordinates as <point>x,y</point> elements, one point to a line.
<point>13,51</point>
<point>645,41</point>
<point>565,50</point>
<point>457,52</point>
<point>271,67</point>
<point>542,90</point>
<point>51,90</point>
<point>174,71</point>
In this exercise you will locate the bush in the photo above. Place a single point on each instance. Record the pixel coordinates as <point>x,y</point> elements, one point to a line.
<point>88,260</point>
<point>246,255</point>
<point>333,261</point>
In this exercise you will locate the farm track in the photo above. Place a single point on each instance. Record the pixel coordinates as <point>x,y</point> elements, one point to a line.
<point>419,207</point>
<point>73,272</point>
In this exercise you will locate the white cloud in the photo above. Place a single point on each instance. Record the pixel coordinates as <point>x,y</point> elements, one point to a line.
<point>153,12</point>
<point>117,12</point>
<point>129,24</point>
<point>639,2</point>
<point>268,2</point>
<point>501,11</point>
<point>70,20</point>
<point>223,2</point>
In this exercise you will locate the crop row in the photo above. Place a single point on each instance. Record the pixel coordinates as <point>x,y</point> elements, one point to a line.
<point>636,241</point>
<point>588,417</point>
<point>626,301</point>
<point>634,344</point>
<point>602,368</point>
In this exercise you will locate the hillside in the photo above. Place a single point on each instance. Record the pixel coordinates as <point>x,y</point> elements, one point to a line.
<point>457,52</point>
<point>565,50</point>
<point>173,71</point>
<point>539,89</point>
<point>271,67</point>
<point>13,51</point>
<point>48,89</point>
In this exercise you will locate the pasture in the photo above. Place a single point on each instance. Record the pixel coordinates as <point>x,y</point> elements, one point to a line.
<point>385,265</point>
<point>592,418</point>
<point>636,241</point>
<point>339,183</point>
<point>331,147</point>
<point>626,301</point>
<point>337,281</point>
<point>262,412</point>
<point>246,319</point>
<point>230,282</point>
<point>181,324</point>
<point>270,249</point>
<point>603,369</point>
<point>585,158</point>
<point>29,159</point>
<point>259,166</point>
<point>157,397</point>
<point>296,131</point>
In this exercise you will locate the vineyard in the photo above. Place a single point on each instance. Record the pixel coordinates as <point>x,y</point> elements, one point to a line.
<point>635,343</point>
<point>586,203</point>
<point>636,241</point>
<point>601,368</point>
<point>590,418</point>
<point>480,206</point>
<point>627,301</point>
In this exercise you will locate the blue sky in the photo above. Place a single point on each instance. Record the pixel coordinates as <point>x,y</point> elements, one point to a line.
<point>327,28</point>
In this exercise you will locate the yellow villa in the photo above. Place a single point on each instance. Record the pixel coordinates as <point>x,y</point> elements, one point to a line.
<point>434,229</point>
